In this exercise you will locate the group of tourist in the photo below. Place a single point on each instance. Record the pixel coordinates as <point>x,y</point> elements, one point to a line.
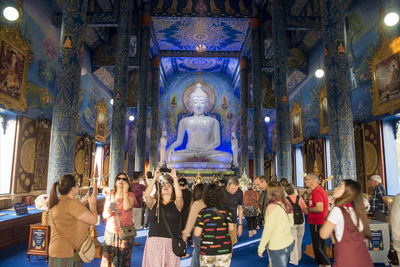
<point>212,217</point>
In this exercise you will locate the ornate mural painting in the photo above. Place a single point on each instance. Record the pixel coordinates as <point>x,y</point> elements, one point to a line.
<point>15,56</point>
<point>385,68</point>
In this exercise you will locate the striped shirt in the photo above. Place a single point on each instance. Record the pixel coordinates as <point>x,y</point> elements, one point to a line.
<point>215,239</point>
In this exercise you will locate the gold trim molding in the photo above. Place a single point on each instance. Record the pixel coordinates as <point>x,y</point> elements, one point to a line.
<point>101,122</point>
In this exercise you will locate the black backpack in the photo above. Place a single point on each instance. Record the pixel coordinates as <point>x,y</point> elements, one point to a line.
<point>297,212</point>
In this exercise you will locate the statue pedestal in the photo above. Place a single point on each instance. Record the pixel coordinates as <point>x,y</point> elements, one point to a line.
<point>211,166</point>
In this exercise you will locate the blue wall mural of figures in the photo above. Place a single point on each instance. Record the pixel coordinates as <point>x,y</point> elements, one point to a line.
<point>365,30</point>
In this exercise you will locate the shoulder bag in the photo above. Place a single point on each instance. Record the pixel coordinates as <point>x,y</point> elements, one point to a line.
<point>126,232</point>
<point>178,245</point>
<point>87,250</point>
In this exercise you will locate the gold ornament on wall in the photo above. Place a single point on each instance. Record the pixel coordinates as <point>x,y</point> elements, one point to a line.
<point>15,57</point>
<point>323,111</point>
<point>297,125</point>
<point>101,122</point>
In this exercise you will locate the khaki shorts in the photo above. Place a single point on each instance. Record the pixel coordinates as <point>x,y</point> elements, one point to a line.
<point>137,218</point>
<point>233,234</point>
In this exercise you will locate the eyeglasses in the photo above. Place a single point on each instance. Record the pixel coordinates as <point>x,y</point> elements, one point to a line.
<point>123,179</point>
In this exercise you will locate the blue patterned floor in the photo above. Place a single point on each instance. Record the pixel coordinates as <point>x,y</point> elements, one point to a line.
<point>244,254</point>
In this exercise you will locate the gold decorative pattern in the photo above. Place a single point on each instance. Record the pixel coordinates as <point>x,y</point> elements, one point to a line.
<point>323,111</point>
<point>371,158</point>
<point>13,92</point>
<point>385,65</point>
<point>101,122</point>
<point>27,155</point>
<point>297,125</point>
<point>80,161</point>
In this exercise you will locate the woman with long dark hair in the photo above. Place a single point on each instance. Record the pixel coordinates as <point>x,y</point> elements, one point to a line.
<point>349,221</point>
<point>197,205</point>
<point>165,207</point>
<point>213,225</point>
<point>69,221</point>
<point>117,252</point>
<point>277,236</point>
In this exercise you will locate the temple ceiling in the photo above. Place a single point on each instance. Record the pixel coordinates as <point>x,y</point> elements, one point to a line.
<point>222,26</point>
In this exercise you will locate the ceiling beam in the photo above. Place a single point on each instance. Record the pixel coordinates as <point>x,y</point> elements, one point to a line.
<point>97,63</point>
<point>180,53</point>
<point>101,19</point>
<point>302,23</point>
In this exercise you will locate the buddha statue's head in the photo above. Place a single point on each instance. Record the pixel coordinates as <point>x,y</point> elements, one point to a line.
<point>198,100</point>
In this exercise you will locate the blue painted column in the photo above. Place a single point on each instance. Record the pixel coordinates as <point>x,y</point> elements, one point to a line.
<point>118,125</point>
<point>244,113</point>
<point>282,98</point>
<point>155,133</point>
<point>140,153</point>
<point>68,78</point>
<point>340,115</point>
<point>257,93</point>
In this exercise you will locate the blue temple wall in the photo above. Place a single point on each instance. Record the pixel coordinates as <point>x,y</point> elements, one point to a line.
<point>43,41</point>
<point>363,37</point>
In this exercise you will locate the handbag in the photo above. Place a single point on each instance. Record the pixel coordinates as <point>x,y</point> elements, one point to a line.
<point>86,251</point>
<point>178,245</point>
<point>392,256</point>
<point>126,232</point>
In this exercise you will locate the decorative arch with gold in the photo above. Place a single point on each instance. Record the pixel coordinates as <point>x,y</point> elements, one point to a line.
<point>296,123</point>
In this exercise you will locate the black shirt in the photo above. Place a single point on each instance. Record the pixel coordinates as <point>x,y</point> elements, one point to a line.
<point>187,198</point>
<point>172,216</point>
<point>215,239</point>
<point>232,202</point>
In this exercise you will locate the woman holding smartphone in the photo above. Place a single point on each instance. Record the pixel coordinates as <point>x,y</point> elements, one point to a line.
<point>165,207</point>
<point>118,252</point>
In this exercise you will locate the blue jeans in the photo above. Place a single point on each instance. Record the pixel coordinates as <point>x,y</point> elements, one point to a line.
<point>280,258</point>
<point>196,252</point>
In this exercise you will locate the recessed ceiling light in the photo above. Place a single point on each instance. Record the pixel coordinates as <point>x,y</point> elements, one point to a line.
<point>391,19</point>
<point>112,101</point>
<point>11,13</point>
<point>319,73</point>
<point>267,119</point>
<point>131,118</point>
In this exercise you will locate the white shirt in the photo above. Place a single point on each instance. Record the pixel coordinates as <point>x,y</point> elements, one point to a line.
<point>336,217</point>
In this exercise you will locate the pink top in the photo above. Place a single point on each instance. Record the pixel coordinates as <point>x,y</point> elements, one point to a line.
<point>125,216</point>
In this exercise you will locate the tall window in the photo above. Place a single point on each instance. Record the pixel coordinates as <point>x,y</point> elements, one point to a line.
<point>7,142</point>
<point>391,145</point>
<point>328,161</point>
<point>98,160</point>
<point>299,167</point>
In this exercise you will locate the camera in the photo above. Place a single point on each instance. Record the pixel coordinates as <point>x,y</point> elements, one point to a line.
<point>113,206</point>
<point>165,169</point>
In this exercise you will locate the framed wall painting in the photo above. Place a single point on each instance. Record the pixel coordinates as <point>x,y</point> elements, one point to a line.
<point>297,125</point>
<point>15,57</point>
<point>323,111</point>
<point>39,240</point>
<point>101,122</point>
<point>385,69</point>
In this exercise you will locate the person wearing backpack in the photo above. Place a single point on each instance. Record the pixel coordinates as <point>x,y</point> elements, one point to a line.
<point>298,206</point>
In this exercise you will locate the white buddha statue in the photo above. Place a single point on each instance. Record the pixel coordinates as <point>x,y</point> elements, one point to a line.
<point>203,134</point>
